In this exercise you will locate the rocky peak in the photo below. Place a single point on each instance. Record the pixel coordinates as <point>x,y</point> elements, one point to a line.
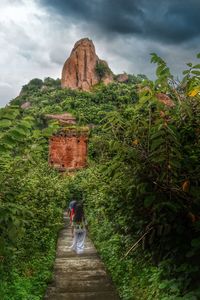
<point>80,69</point>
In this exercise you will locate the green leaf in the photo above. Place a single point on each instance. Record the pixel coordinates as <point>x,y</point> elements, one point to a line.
<point>36,133</point>
<point>196,66</point>
<point>157,143</point>
<point>159,70</point>
<point>25,124</point>
<point>174,163</point>
<point>16,132</point>
<point>9,113</point>
<point>3,148</point>
<point>9,116</point>
<point>186,72</point>
<point>8,141</point>
<point>159,133</point>
<point>198,55</point>
<point>148,201</point>
<point>47,132</point>
<point>195,72</point>
<point>157,158</point>
<point>29,119</point>
<point>195,243</point>
<point>164,284</point>
<point>5,123</point>
<point>23,131</point>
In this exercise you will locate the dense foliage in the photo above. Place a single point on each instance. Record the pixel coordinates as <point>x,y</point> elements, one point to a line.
<point>102,69</point>
<point>145,183</point>
<point>142,184</point>
<point>30,214</point>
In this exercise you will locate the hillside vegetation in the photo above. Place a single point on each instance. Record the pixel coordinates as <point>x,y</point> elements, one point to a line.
<point>141,190</point>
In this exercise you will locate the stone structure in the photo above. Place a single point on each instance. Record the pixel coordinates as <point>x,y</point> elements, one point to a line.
<point>79,71</point>
<point>63,119</point>
<point>68,149</point>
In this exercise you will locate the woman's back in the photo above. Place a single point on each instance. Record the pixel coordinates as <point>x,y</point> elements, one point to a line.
<point>79,214</point>
<point>79,228</point>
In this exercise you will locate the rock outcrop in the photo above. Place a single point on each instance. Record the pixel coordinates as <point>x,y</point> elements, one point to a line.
<point>80,69</point>
<point>165,99</point>
<point>122,78</point>
<point>26,105</point>
<point>63,119</point>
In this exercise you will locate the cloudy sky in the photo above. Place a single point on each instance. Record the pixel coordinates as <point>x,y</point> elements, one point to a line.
<point>36,36</point>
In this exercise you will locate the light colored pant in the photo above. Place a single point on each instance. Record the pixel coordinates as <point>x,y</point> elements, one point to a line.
<point>78,241</point>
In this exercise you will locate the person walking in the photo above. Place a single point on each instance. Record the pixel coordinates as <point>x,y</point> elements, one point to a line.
<point>79,229</point>
<point>71,212</point>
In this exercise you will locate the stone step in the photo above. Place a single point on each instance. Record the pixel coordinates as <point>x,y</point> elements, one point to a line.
<point>84,275</point>
<point>63,245</point>
<point>69,242</point>
<point>68,254</point>
<point>67,285</point>
<point>82,296</point>
<point>74,264</point>
<point>65,250</point>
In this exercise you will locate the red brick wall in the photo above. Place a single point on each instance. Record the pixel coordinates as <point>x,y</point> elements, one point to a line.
<point>68,152</point>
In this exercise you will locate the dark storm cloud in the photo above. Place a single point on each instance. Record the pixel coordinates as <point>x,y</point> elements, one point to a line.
<point>173,21</point>
<point>170,21</point>
<point>111,15</point>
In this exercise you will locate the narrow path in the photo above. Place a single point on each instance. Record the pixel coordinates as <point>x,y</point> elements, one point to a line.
<point>79,277</point>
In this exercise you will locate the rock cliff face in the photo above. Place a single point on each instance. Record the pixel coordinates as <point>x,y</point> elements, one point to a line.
<point>79,71</point>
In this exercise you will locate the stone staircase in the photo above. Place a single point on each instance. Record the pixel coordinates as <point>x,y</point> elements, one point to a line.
<point>79,277</point>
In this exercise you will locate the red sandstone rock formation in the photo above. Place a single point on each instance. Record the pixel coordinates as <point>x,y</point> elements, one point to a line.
<point>79,69</point>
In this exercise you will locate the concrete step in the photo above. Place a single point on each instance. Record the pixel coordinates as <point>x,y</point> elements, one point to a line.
<point>75,264</point>
<point>87,253</point>
<point>82,296</point>
<point>69,242</point>
<point>84,275</point>
<point>68,286</point>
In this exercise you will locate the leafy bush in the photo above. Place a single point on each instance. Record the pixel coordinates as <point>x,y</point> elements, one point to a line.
<point>30,213</point>
<point>145,183</point>
<point>102,69</point>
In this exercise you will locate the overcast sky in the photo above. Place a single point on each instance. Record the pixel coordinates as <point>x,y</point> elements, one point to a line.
<point>36,36</point>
